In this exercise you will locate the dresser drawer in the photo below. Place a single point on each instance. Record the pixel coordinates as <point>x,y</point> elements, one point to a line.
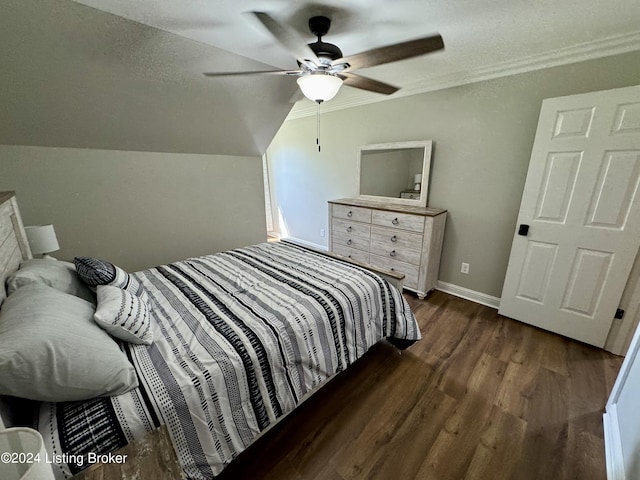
<point>396,239</point>
<point>349,227</point>
<point>411,272</point>
<point>351,241</point>
<point>357,214</point>
<point>382,249</point>
<point>403,221</point>
<point>352,253</point>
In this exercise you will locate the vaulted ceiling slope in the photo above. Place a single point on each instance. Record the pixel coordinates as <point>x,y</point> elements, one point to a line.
<point>75,76</point>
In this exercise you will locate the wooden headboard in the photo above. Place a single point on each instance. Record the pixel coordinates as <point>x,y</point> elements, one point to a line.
<point>13,249</point>
<point>13,241</point>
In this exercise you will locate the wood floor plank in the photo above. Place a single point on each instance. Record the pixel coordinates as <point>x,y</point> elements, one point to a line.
<point>514,393</point>
<point>480,397</point>
<point>583,453</point>
<point>507,338</point>
<point>555,356</point>
<point>414,438</point>
<point>391,409</point>
<point>547,427</point>
<point>499,449</point>
<point>444,328</point>
<point>463,430</point>
<point>456,370</point>
<point>522,371</point>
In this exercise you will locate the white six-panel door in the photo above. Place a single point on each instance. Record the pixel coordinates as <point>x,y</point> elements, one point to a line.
<point>582,205</point>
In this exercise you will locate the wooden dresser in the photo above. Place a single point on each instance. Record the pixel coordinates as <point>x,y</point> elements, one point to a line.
<point>403,239</point>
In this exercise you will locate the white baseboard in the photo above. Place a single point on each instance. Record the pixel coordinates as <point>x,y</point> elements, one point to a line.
<point>305,243</point>
<point>478,297</point>
<point>613,445</point>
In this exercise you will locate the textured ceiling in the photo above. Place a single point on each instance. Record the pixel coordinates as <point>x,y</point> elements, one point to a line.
<point>74,76</point>
<point>483,38</point>
<point>127,75</point>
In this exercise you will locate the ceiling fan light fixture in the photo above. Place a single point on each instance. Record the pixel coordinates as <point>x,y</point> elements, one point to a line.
<point>319,87</point>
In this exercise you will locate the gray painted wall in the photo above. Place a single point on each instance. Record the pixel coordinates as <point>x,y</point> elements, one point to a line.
<point>137,209</point>
<point>482,133</point>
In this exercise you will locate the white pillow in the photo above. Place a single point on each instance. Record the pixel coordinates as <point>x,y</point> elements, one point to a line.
<point>56,274</point>
<point>51,349</point>
<point>123,315</point>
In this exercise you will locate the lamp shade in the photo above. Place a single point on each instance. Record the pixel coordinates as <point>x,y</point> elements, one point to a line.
<point>319,87</point>
<point>42,239</point>
<point>25,442</point>
<point>417,178</point>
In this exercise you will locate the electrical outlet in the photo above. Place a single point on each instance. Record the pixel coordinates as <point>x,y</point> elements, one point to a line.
<point>464,268</point>
<point>322,232</point>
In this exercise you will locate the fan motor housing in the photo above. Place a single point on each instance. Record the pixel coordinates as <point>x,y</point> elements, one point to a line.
<point>319,25</point>
<point>325,50</point>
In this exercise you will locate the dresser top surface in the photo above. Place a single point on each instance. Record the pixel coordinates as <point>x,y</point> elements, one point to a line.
<point>393,207</point>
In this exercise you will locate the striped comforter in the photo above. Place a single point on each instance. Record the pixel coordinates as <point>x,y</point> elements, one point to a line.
<point>241,337</point>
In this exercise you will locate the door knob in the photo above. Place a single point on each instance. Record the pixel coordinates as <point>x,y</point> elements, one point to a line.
<point>523,230</point>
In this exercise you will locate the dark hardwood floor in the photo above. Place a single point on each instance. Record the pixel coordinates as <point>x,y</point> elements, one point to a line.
<point>479,397</point>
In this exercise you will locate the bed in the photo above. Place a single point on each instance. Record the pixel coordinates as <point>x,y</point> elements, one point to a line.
<point>240,338</point>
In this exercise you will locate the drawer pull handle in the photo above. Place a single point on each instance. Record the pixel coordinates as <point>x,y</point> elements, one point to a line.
<point>349,229</point>
<point>394,239</point>
<point>349,213</point>
<point>392,254</point>
<point>393,269</point>
<point>349,242</point>
<point>349,256</point>
<point>395,221</point>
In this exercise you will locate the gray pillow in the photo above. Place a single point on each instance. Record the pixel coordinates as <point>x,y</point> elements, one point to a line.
<point>57,274</point>
<point>51,349</point>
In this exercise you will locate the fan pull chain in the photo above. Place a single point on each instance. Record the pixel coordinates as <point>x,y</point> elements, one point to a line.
<point>318,125</point>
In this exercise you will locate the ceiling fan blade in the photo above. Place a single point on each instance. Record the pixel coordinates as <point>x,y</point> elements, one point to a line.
<point>393,53</point>
<point>365,83</point>
<point>289,39</point>
<point>258,72</point>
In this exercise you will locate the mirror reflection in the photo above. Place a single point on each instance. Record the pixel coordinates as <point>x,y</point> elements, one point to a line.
<point>395,172</point>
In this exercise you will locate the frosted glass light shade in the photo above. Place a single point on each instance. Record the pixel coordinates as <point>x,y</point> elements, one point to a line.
<point>42,239</point>
<point>319,87</point>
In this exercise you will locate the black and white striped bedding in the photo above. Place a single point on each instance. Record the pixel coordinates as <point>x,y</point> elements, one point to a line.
<point>241,338</point>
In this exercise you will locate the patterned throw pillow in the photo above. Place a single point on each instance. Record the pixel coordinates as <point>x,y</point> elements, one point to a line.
<point>96,272</point>
<point>123,315</point>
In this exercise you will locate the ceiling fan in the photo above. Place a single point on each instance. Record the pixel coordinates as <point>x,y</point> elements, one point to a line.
<point>323,68</point>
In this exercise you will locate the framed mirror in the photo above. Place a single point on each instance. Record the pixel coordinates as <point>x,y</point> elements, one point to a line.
<point>395,172</point>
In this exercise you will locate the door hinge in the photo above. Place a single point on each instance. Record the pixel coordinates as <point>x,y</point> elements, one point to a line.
<point>619,313</point>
